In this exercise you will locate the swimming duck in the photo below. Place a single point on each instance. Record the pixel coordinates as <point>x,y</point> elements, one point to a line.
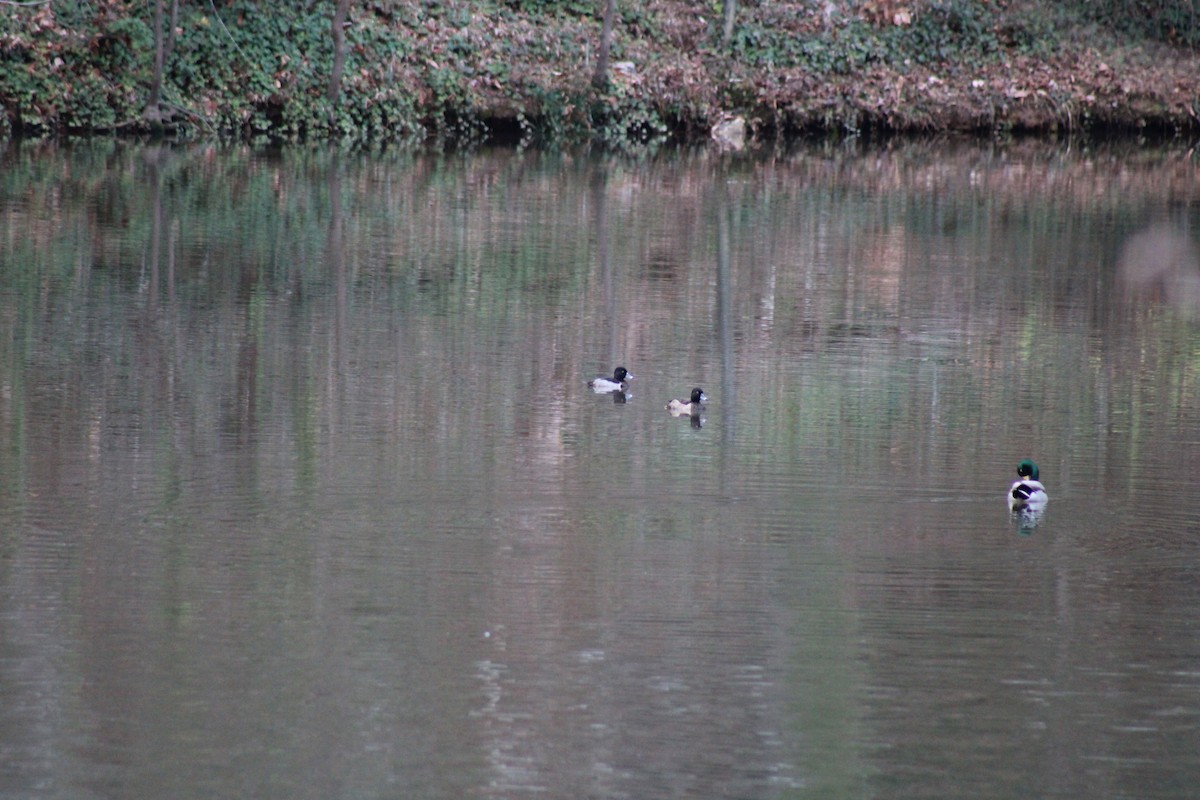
<point>618,382</point>
<point>1027,492</point>
<point>693,406</point>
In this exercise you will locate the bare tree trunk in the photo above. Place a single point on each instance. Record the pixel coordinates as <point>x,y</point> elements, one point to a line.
<point>153,112</point>
<point>730,11</point>
<point>169,46</point>
<point>339,48</point>
<point>156,114</point>
<point>600,76</point>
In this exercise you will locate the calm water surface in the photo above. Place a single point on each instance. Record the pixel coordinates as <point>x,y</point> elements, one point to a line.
<point>303,493</point>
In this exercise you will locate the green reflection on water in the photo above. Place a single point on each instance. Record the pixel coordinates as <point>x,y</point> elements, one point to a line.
<point>343,398</point>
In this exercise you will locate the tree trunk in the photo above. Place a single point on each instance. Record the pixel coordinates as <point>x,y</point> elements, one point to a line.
<point>169,46</point>
<point>600,76</point>
<point>340,13</point>
<point>730,11</point>
<point>156,114</point>
<point>153,112</point>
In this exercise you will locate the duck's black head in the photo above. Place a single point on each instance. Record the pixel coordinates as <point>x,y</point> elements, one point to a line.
<point>1027,469</point>
<point>698,395</point>
<point>620,374</point>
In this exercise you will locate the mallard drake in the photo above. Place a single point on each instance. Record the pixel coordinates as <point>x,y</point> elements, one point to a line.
<point>1028,492</point>
<point>618,382</point>
<point>692,406</point>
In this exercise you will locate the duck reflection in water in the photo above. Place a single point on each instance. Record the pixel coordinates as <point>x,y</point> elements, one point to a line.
<point>621,397</point>
<point>1026,520</point>
<point>695,420</point>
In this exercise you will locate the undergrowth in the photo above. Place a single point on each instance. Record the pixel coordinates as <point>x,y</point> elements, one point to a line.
<point>464,69</point>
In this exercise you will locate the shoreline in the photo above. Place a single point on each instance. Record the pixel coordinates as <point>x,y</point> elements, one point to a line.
<point>476,72</point>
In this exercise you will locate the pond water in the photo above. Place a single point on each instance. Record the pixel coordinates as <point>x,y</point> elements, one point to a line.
<point>303,493</point>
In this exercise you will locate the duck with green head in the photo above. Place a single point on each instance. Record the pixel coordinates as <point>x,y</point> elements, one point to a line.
<point>1028,492</point>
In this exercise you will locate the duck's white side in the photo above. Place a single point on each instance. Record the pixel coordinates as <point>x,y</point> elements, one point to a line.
<point>618,382</point>
<point>1028,492</point>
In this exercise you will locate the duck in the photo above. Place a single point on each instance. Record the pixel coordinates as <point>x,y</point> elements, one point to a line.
<point>692,406</point>
<point>1028,492</point>
<point>617,383</point>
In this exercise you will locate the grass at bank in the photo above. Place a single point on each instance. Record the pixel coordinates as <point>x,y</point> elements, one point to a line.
<point>522,70</point>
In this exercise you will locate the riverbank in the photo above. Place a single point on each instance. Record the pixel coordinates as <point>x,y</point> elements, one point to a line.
<point>479,71</point>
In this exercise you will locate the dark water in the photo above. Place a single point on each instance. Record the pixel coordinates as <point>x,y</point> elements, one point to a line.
<point>303,493</point>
